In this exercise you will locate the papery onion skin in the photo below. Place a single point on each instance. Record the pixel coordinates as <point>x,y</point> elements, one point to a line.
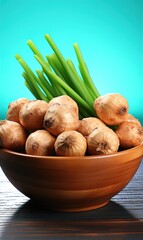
<point>60,118</point>
<point>111,108</point>
<point>32,114</point>
<point>70,143</point>
<point>12,135</point>
<point>40,143</point>
<point>130,134</point>
<point>132,119</point>
<point>102,140</point>
<point>87,125</point>
<point>64,99</point>
<point>14,108</point>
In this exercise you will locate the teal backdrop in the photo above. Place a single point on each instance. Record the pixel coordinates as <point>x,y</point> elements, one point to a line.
<point>109,33</point>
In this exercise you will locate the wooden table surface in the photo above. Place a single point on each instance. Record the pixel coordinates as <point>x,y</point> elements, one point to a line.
<point>121,219</point>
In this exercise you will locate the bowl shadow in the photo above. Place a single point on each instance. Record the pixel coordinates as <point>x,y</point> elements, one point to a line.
<point>30,222</point>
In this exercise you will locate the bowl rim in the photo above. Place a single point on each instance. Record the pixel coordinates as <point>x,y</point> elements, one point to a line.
<point>119,153</point>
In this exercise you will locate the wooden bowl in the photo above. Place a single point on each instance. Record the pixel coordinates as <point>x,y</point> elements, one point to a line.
<point>71,184</point>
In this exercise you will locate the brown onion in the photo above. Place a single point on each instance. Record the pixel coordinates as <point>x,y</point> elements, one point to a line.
<point>40,143</point>
<point>12,135</point>
<point>87,125</point>
<point>32,114</point>
<point>111,108</point>
<point>70,143</point>
<point>14,108</point>
<point>131,118</point>
<point>130,134</point>
<point>102,140</point>
<point>60,118</point>
<point>64,99</point>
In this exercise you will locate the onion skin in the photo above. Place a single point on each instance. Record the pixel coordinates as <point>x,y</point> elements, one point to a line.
<point>54,128</point>
<point>111,108</point>
<point>131,118</point>
<point>102,140</point>
<point>87,125</point>
<point>12,135</point>
<point>60,118</point>
<point>70,143</point>
<point>64,99</point>
<point>40,143</point>
<point>130,134</point>
<point>14,109</point>
<point>32,114</point>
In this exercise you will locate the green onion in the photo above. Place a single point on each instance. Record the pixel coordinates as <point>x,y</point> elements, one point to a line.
<point>46,83</point>
<point>80,85</point>
<point>67,88</point>
<point>84,71</point>
<point>56,66</point>
<point>32,78</point>
<point>30,86</point>
<point>59,76</point>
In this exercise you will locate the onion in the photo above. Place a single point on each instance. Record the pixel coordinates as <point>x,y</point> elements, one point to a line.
<point>41,143</point>
<point>70,143</point>
<point>64,99</point>
<point>130,134</point>
<point>131,118</point>
<point>111,108</point>
<point>32,114</point>
<point>102,140</point>
<point>87,125</point>
<point>12,135</point>
<point>14,108</point>
<point>60,118</point>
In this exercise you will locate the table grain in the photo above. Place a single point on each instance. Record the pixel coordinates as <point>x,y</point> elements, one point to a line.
<point>121,219</point>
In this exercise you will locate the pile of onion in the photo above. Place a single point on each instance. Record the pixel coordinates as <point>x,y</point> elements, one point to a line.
<point>43,128</point>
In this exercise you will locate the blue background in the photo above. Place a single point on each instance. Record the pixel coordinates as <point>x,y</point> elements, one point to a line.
<point>109,33</point>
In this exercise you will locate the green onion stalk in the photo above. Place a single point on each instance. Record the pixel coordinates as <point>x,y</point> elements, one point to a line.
<point>58,76</point>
